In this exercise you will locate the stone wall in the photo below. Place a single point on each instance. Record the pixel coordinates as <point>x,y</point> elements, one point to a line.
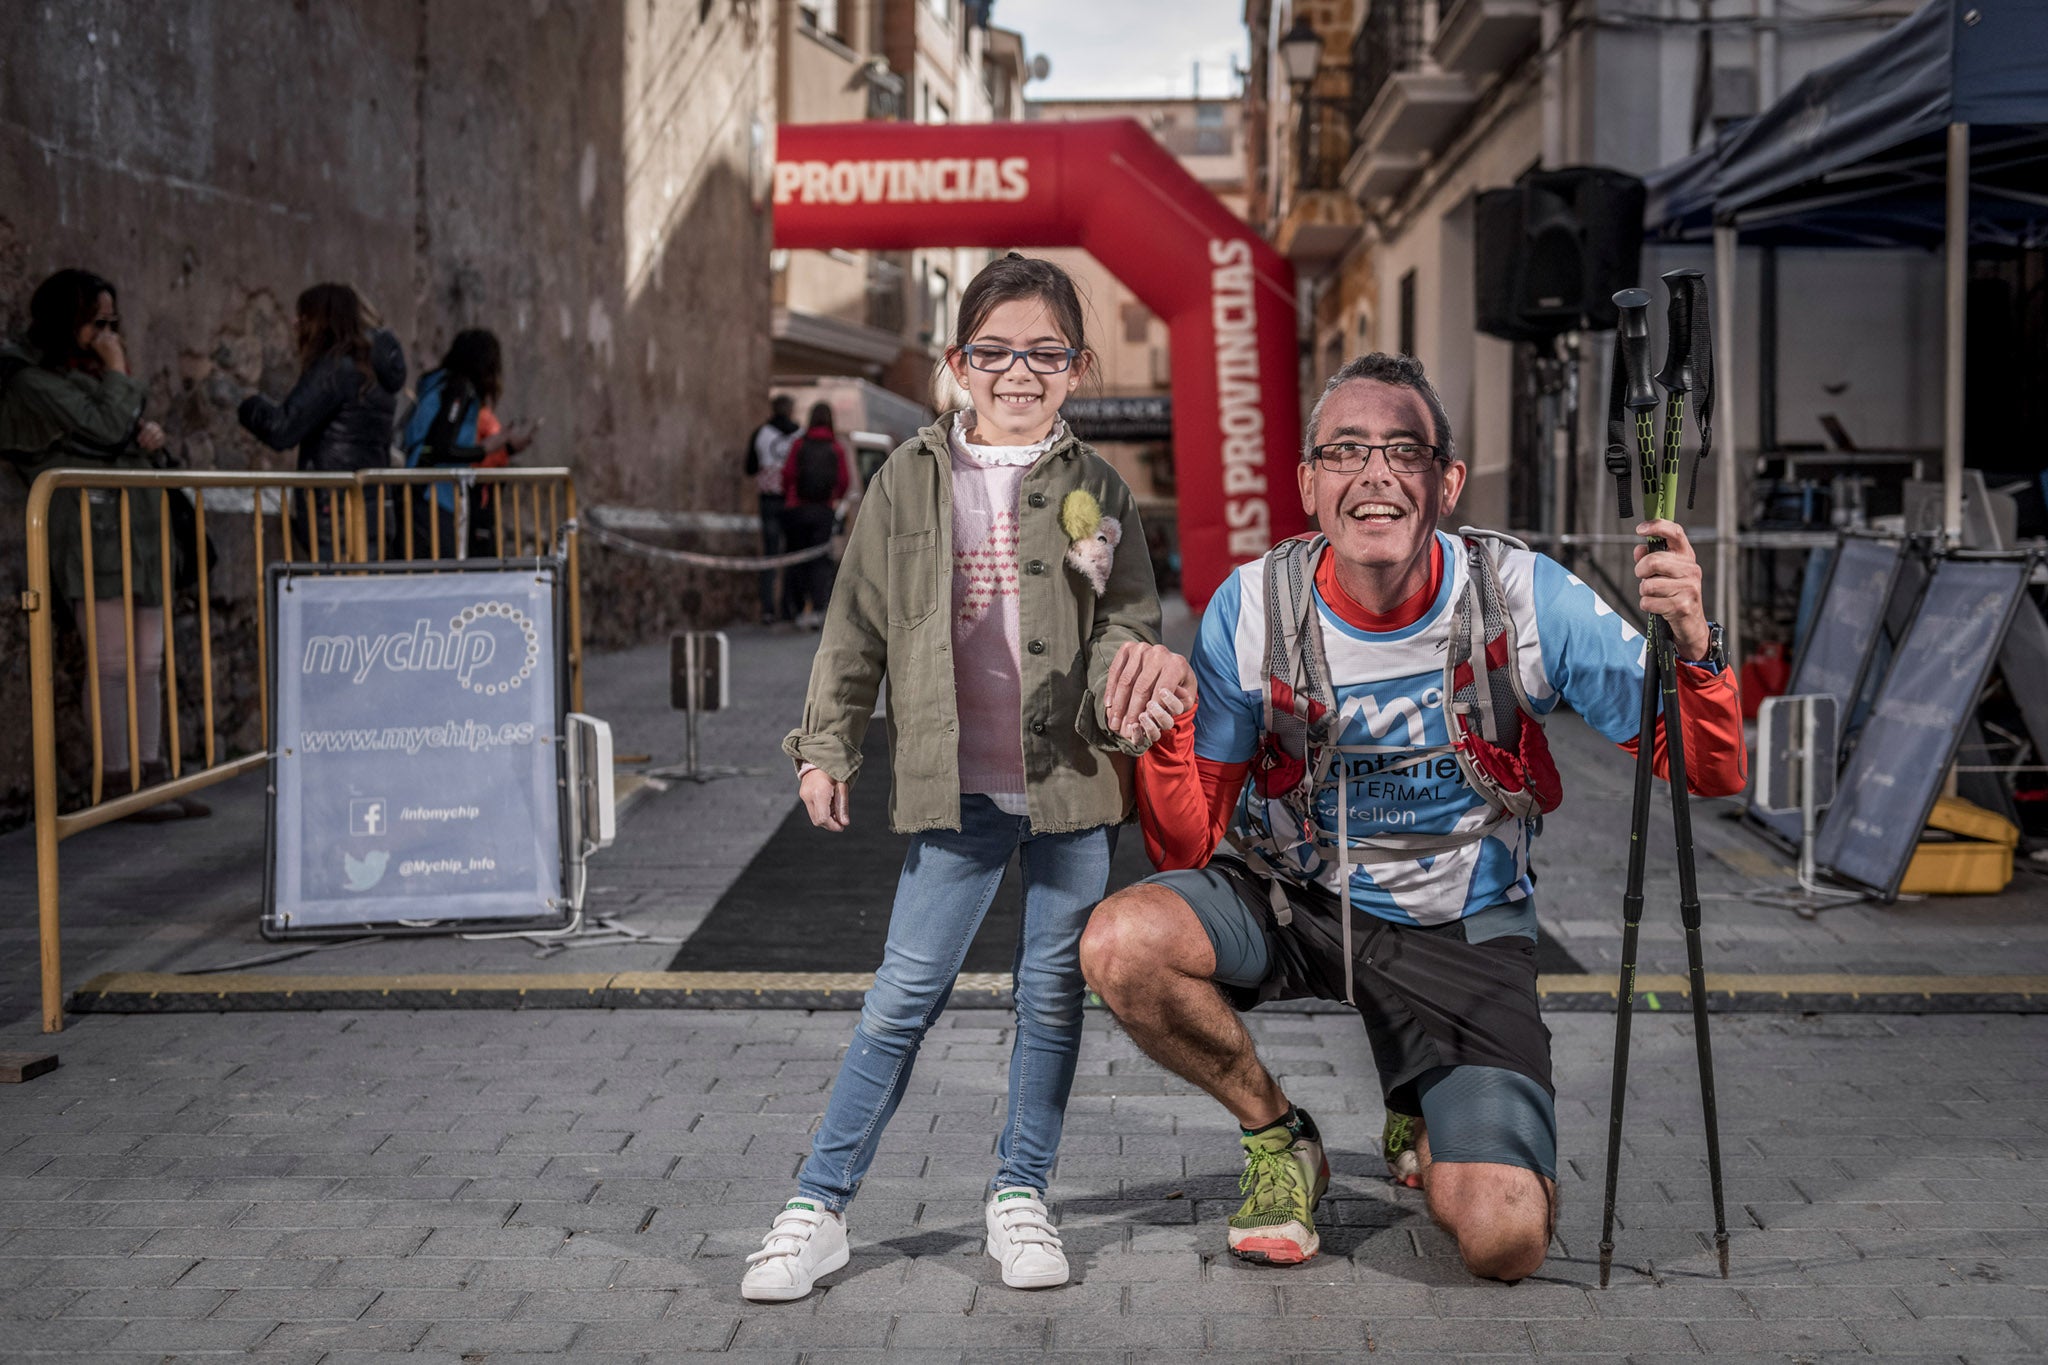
<point>584,177</point>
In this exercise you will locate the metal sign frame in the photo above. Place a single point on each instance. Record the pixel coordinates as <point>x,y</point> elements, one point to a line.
<point>559,911</point>
<point>1773,825</point>
<point>1843,809</point>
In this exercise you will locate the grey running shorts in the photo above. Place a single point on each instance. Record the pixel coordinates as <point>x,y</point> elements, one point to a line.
<point>1450,1009</point>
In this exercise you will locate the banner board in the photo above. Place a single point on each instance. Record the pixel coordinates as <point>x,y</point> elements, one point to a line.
<point>415,769</point>
<point>1838,651</point>
<point>1889,786</point>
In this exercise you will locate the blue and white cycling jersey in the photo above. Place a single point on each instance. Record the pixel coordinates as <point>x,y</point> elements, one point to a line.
<point>1389,689</point>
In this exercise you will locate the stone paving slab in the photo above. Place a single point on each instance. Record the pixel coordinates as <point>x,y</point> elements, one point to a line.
<point>177,1187</point>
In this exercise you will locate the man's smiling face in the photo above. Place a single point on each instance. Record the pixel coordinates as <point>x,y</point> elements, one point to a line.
<point>1379,522</point>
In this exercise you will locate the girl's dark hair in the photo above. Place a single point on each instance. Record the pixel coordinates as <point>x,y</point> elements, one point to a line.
<point>331,323</point>
<point>1021,277</point>
<point>474,356</point>
<point>821,416</point>
<point>60,306</point>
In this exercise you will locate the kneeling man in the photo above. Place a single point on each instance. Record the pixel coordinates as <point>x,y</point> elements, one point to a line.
<point>1397,775</point>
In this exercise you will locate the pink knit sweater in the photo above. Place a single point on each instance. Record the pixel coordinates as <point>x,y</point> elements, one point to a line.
<point>986,667</point>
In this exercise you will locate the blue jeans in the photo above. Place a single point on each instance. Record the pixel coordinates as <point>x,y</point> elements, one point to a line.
<point>949,879</point>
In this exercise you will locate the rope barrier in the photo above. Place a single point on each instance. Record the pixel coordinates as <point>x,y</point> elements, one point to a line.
<point>737,563</point>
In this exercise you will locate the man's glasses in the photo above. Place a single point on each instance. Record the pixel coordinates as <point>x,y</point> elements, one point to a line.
<point>993,359</point>
<point>1349,457</point>
<point>112,324</point>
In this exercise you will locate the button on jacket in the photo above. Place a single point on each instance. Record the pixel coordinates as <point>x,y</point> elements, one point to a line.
<point>891,613</point>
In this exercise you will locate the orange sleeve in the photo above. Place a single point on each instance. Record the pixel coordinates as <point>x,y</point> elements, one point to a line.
<point>1185,803</point>
<point>487,426</point>
<point>1710,708</point>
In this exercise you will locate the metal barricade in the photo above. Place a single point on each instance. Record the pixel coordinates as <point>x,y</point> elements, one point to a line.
<point>365,517</point>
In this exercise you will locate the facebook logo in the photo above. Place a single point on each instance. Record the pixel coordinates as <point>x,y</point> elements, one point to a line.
<point>366,816</point>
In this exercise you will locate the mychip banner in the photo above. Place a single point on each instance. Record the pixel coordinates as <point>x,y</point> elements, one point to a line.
<point>415,755</point>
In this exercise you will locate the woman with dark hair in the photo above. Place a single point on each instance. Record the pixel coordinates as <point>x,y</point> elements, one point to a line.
<point>814,478</point>
<point>339,413</point>
<point>67,400</point>
<point>453,424</point>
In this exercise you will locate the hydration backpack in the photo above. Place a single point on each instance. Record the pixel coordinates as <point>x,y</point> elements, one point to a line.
<point>1496,738</point>
<point>817,469</point>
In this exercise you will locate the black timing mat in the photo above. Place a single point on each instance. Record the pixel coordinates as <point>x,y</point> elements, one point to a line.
<point>812,901</point>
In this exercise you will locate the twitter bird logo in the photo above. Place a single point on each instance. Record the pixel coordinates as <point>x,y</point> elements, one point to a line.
<point>366,871</point>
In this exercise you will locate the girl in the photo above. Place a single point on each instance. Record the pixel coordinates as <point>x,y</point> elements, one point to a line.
<point>339,413</point>
<point>984,578</point>
<point>454,423</point>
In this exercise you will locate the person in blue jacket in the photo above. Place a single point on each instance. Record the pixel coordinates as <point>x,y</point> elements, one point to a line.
<point>453,424</point>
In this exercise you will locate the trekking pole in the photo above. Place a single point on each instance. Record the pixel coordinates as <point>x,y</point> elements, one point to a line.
<point>1632,398</point>
<point>1683,364</point>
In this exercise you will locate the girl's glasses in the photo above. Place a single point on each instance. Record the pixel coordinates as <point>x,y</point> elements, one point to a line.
<point>1349,457</point>
<point>994,359</point>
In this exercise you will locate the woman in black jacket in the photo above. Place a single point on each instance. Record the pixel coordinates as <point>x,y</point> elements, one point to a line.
<point>339,413</point>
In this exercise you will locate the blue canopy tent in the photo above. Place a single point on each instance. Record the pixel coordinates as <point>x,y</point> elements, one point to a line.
<point>1934,135</point>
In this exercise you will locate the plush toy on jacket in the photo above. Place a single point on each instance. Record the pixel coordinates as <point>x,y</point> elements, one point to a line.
<point>1095,538</point>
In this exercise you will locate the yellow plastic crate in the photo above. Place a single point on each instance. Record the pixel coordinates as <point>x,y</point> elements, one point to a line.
<point>1976,863</point>
<point>1962,868</point>
<point>1972,821</point>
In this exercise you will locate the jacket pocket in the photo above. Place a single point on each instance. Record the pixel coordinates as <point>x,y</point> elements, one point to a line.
<point>913,577</point>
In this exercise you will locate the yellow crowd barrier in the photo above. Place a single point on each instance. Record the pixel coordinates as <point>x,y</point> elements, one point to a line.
<point>372,516</point>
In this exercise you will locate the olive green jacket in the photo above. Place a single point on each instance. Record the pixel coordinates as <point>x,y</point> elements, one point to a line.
<point>76,420</point>
<point>891,613</point>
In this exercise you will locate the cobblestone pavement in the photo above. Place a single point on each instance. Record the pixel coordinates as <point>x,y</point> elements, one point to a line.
<point>467,1186</point>
<point>470,1186</point>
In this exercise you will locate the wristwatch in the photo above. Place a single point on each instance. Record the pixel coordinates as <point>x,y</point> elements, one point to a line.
<point>1716,657</point>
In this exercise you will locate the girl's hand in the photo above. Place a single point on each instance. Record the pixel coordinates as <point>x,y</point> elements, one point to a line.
<point>149,436</point>
<point>1155,720</point>
<point>1141,676</point>
<point>824,800</point>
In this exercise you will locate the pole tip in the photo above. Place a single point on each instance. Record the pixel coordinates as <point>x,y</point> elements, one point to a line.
<point>1632,298</point>
<point>1606,1262</point>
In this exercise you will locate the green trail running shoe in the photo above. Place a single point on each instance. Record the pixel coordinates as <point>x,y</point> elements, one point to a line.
<point>1398,1141</point>
<point>1284,1179</point>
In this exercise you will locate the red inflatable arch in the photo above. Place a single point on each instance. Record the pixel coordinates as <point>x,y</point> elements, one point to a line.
<point>1227,298</point>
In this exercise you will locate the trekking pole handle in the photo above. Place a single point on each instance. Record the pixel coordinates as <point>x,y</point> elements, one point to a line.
<point>1632,336</point>
<point>1639,391</point>
<point>1677,375</point>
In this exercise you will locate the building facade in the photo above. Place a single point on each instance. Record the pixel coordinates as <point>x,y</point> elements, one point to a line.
<point>1366,179</point>
<point>589,180</point>
<point>881,319</point>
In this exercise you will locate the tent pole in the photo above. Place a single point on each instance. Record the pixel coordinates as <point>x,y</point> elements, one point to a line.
<point>1727,489</point>
<point>1958,266</point>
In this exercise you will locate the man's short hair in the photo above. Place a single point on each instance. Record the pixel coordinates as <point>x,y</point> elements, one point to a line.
<point>1403,372</point>
<point>783,405</point>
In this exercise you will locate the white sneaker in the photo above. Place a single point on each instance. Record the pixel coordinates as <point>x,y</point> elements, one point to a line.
<point>804,1242</point>
<point>1022,1239</point>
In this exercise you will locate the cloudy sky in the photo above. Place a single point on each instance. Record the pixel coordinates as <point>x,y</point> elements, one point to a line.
<point>1129,47</point>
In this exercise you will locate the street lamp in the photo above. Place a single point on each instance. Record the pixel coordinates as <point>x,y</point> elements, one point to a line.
<point>1301,52</point>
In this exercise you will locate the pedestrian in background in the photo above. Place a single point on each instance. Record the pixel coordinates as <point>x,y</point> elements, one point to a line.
<point>339,412</point>
<point>454,425</point>
<point>767,452</point>
<point>68,401</point>
<point>1000,748</point>
<point>814,478</point>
